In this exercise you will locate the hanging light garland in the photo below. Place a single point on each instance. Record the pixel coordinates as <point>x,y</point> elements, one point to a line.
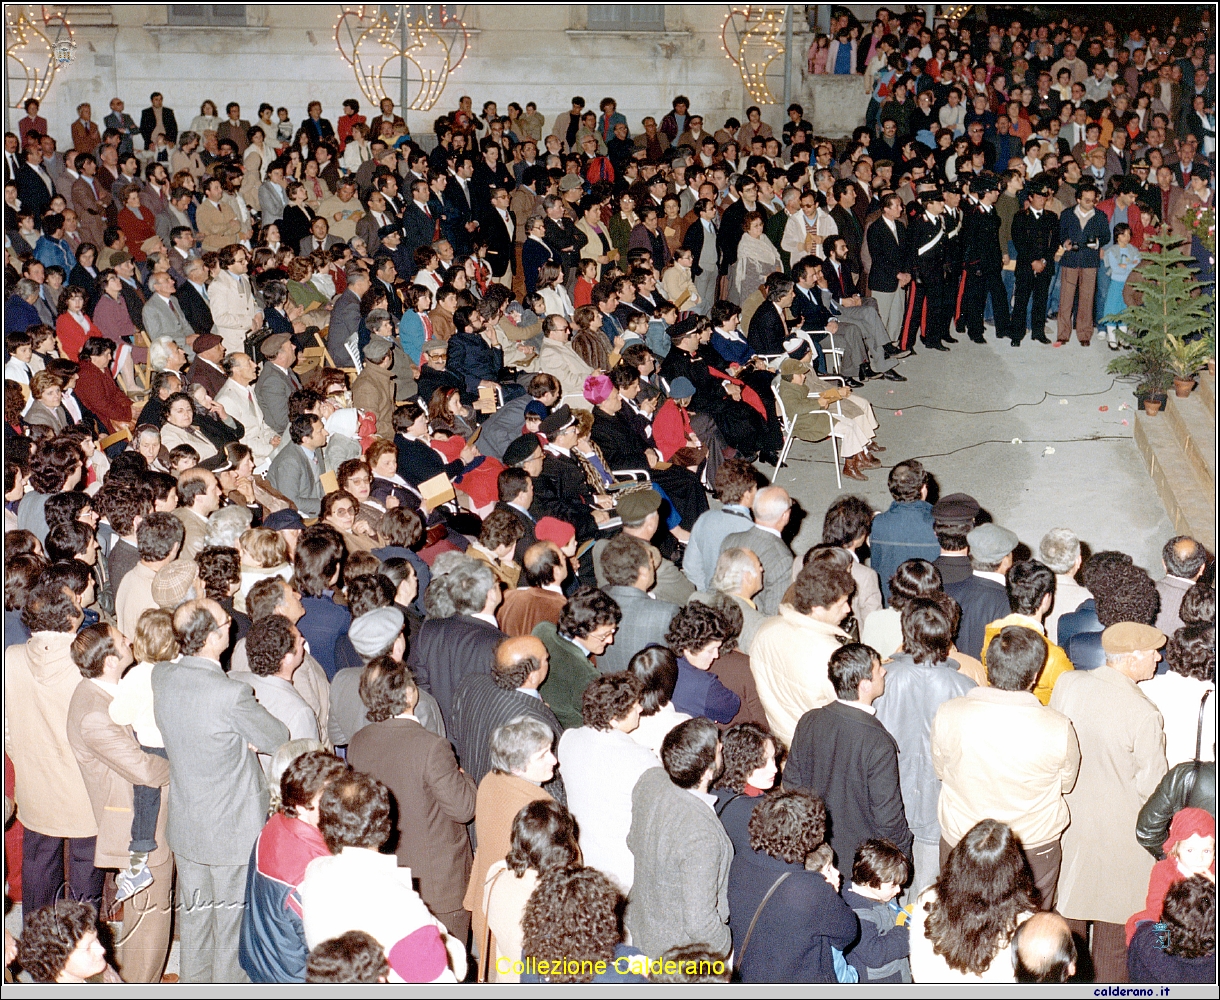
<point>38,46</point>
<point>436,42</point>
<point>955,12</point>
<point>757,43</point>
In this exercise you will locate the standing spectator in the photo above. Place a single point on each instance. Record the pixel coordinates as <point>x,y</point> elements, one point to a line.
<point>790,918</point>
<point>1185,694</point>
<point>1087,231</point>
<point>40,678</point>
<point>275,651</point>
<point>679,893</point>
<point>318,563</point>
<point>630,574</point>
<point>847,525</point>
<point>483,703</point>
<point>159,540</point>
<point>273,946</point>
<point>434,797</point>
<point>218,799</point>
<point>359,888</point>
<point>1000,754</point>
<point>772,510</point>
<point>524,762</point>
<point>982,591</point>
<point>904,531</point>
<point>1185,951</point>
<point>1184,560</point>
<point>586,626</point>
<point>447,649</point>
<point>1031,592</point>
<point>111,759</point>
<point>60,945</point>
<point>963,925</point>
<point>919,679</point>
<point>601,764</point>
<point>1122,751</point>
<point>790,652</point>
<point>736,487</point>
<point>1060,550</point>
<point>695,636</point>
<point>843,754</point>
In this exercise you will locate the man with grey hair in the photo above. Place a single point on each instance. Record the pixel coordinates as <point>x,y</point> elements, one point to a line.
<point>345,318</point>
<point>165,355</point>
<point>630,574</point>
<point>163,315</point>
<point>772,510</point>
<point>447,649</point>
<point>738,577</point>
<point>1060,551</point>
<point>523,747</point>
<point>225,526</point>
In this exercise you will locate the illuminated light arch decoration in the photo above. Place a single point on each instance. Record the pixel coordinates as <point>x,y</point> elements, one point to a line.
<point>39,45</point>
<point>752,38</point>
<point>371,42</point>
<point>955,11</point>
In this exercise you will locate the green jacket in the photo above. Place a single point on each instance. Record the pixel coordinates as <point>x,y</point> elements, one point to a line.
<point>812,423</point>
<point>568,677</point>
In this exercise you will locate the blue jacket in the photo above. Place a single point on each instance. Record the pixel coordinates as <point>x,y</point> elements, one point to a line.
<point>1083,619</point>
<point>700,693</point>
<point>738,351</point>
<point>1085,651</point>
<point>51,251</point>
<point>323,624</point>
<point>19,315</point>
<point>903,532</point>
<point>882,954</point>
<point>472,359</point>
<point>272,945</point>
<point>1096,230</point>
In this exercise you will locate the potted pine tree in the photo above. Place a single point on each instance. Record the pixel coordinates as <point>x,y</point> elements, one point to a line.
<point>1170,307</point>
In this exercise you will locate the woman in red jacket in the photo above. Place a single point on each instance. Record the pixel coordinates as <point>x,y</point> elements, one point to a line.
<point>73,326</point>
<point>137,223</point>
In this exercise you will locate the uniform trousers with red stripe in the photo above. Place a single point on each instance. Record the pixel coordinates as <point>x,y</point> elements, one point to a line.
<point>929,310</point>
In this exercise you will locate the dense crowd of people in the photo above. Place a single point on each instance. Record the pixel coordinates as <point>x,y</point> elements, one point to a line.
<point>362,581</point>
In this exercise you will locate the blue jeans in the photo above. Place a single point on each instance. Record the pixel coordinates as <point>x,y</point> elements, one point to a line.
<point>145,805</point>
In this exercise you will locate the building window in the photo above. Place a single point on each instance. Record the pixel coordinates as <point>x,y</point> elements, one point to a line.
<point>207,15</point>
<point>626,17</point>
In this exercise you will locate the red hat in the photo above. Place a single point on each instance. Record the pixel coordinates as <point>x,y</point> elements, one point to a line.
<point>551,529</point>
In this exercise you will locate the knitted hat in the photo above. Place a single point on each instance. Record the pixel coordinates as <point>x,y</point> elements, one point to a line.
<point>284,520</point>
<point>681,388</point>
<point>173,582</point>
<point>374,632</point>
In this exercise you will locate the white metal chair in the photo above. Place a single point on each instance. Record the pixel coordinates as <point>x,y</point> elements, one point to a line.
<point>789,425</point>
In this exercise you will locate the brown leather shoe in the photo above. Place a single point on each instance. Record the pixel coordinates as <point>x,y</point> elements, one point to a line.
<point>866,461</point>
<point>851,469</point>
<point>874,446</point>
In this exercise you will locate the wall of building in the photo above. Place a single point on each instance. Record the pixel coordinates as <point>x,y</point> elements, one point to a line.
<point>522,52</point>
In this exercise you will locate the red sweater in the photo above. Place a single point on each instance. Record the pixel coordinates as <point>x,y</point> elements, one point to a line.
<point>98,391</point>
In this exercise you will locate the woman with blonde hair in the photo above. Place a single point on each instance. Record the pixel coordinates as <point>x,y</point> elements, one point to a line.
<point>264,554</point>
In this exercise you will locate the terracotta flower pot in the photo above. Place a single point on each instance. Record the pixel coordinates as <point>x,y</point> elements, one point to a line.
<point>1152,407</point>
<point>1182,387</point>
<point>1211,367</point>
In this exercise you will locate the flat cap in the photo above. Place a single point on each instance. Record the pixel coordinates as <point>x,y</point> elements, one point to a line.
<point>956,508</point>
<point>636,506</point>
<point>377,348</point>
<point>1131,637</point>
<point>122,257</point>
<point>206,341</point>
<point>271,346</point>
<point>374,632</point>
<point>173,582</point>
<point>989,543</point>
<point>284,520</point>
<point>569,182</point>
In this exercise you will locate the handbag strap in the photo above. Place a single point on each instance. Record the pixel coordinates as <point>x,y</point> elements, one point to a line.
<point>741,957</point>
<point>1199,730</point>
<point>485,958</point>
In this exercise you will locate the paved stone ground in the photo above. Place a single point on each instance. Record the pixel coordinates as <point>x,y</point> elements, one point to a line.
<point>1094,481</point>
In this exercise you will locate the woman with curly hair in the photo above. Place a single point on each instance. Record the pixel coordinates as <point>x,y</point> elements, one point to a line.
<point>797,915</point>
<point>963,925</point>
<point>543,839</point>
<point>1185,950</point>
<point>695,635</point>
<point>59,944</point>
<point>572,932</point>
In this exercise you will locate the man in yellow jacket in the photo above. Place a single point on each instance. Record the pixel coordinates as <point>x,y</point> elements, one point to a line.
<point>1031,595</point>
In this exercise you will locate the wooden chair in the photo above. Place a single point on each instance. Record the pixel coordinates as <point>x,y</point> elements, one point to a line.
<point>113,439</point>
<point>142,368</point>
<point>309,359</point>
<point>330,362</point>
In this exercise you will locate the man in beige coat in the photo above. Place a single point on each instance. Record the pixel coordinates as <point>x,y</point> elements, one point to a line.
<point>111,761</point>
<point>373,388</point>
<point>557,357</point>
<point>1122,752</point>
<point>52,801</point>
<point>791,650</point>
<point>217,222</point>
<point>1001,755</point>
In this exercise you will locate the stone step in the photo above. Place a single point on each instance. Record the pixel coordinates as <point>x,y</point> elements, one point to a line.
<point>1206,392</point>
<point>1194,429</point>
<point>1189,502</point>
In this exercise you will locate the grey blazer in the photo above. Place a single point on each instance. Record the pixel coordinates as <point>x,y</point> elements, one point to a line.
<point>294,475</point>
<point>217,792</point>
<point>344,321</point>
<point>159,321</point>
<point>271,202</point>
<point>645,621</point>
<point>776,559</point>
<point>272,391</point>
<point>40,413</point>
